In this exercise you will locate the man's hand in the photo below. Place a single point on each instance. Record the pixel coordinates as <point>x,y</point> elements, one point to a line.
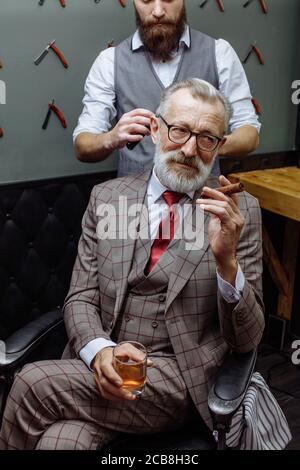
<point>224,229</point>
<point>107,380</point>
<point>132,127</point>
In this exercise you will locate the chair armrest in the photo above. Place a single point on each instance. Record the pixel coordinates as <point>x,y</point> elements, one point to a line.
<point>25,340</point>
<point>231,383</point>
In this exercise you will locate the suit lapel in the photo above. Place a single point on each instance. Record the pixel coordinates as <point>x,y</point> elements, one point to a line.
<point>190,253</point>
<point>125,198</point>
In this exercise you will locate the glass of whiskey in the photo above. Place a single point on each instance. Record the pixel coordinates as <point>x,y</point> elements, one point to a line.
<point>130,363</point>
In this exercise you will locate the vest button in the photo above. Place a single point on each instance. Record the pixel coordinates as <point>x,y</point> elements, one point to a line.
<point>127,318</point>
<point>162,297</point>
<point>149,349</point>
<point>154,324</point>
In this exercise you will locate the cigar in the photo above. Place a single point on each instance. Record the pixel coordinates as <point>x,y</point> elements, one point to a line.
<point>227,190</point>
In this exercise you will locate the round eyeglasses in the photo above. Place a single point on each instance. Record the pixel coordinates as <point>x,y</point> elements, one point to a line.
<point>180,135</point>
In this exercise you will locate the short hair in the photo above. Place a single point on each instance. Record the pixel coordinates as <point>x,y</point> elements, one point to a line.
<point>199,89</point>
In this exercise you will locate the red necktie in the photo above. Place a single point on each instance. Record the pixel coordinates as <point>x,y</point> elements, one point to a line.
<point>165,230</point>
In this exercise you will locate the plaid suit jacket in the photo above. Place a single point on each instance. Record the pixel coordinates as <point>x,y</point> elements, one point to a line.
<point>202,326</point>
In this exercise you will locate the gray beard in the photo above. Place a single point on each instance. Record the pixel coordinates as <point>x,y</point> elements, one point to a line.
<point>180,180</point>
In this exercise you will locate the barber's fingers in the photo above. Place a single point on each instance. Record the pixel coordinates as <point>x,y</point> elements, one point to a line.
<point>141,112</point>
<point>142,120</point>
<point>127,120</point>
<point>133,128</point>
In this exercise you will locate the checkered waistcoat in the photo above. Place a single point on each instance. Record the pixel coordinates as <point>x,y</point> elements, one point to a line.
<point>142,317</point>
<point>201,325</point>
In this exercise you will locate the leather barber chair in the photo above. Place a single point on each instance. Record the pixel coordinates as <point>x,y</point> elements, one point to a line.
<point>40,224</point>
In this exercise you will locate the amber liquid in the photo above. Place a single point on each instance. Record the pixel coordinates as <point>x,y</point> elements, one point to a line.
<point>133,375</point>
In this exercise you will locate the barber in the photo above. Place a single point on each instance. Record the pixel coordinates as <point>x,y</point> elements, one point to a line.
<point>125,84</point>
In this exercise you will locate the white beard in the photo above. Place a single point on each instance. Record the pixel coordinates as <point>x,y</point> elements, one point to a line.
<point>180,180</point>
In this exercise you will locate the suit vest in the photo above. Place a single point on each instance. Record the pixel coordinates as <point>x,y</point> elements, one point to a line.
<point>142,317</point>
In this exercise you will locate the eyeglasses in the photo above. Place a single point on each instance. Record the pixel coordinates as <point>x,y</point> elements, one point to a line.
<point>180,135</point>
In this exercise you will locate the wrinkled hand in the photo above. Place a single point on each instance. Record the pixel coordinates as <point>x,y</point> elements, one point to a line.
<point>224,228</point>
<point>107,380</point>
<point>132,127</point>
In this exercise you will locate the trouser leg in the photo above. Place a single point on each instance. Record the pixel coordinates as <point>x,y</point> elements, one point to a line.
<point>75,435</point>
<point>48,392</point>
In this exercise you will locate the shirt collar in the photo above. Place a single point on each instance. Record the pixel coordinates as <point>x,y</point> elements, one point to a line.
<point>156,189</point>
<point>137,42</point>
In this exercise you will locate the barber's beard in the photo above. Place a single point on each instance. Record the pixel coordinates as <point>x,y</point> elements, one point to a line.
<point>161,39</point>
<point>177,178</point>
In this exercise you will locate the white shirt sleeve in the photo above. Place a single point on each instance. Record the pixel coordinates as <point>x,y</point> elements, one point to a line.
<point>90,350</point>
<point>234,85</point>
<point>229,293</point>
<point>99,98</point>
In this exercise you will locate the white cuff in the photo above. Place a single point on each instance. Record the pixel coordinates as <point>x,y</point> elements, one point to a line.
<point>90,350</point>
<point>229,293</point>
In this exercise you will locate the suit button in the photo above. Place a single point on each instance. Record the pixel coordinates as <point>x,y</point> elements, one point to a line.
<point>162,297</point>
<point>149,349</point>
<point>154,324</point>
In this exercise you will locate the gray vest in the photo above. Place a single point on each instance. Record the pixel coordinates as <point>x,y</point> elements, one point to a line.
<point>143,311</point>
<point>138,86</point>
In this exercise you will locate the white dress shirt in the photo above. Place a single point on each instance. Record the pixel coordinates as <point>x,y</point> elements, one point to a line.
<point>157,210</point>
<point>99,100</point>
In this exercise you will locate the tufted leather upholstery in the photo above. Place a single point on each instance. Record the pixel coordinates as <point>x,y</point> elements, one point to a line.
<point>40,224</point>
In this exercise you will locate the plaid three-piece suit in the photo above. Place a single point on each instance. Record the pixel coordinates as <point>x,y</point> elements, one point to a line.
<point>57,402</point>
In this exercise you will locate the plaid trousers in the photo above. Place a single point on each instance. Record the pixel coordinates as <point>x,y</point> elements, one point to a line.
<point>56,405</point>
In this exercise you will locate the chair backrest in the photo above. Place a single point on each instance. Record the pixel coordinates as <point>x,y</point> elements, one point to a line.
<point>40,224</point>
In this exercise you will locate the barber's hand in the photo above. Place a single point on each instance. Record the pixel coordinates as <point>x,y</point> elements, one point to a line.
<point>132,127</point>
<point>224,228</point>
<point>107,380</point>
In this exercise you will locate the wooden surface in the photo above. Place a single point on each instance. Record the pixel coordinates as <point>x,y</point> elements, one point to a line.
<point>289,266</point>
<point>277,189</point>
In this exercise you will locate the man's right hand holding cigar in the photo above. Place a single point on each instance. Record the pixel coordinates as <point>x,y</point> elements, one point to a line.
<point>225,226</point>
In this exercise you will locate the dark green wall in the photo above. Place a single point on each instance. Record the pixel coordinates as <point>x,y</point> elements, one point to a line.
<point>82,29</point>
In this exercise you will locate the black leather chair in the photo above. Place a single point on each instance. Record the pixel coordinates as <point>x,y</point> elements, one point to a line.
<point>40,224</point>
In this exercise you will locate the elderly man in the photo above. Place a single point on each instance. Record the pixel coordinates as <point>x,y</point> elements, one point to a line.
<point>126,82</point>
<point>188,303</point>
